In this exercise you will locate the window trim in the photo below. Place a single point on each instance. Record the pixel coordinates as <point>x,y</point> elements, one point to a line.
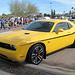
<point>69,26</point>
<point>62,22</point>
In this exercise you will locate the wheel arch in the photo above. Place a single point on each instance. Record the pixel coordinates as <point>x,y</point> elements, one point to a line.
<point>42,45</point>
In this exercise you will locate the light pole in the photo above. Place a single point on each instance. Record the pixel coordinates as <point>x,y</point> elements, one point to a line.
<point>50,8</point>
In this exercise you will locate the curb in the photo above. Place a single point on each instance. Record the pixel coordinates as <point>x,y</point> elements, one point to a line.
<point>52,69</point>
<point>4,73</point>
<point>58,68</point>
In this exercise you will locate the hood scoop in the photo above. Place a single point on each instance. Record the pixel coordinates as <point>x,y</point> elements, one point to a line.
<point>26,33</point>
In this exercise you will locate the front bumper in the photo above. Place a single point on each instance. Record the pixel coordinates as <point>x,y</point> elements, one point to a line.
<point>12,55</point>
<point>19,54</point>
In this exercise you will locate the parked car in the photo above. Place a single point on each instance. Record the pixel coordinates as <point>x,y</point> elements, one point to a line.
<point>36,40</point>
<point>72,20</point>
<point>47,18</point>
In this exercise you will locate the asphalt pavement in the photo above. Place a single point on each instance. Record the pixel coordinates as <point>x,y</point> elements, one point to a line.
<point>64,58</point>
<point>7,68</point>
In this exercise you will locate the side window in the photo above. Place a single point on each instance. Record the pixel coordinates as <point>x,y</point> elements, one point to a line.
<point>62,25</point>
<point>69,25</point>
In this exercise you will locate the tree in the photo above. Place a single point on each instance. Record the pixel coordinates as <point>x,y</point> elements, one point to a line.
<point>72,8</point>
<point>48,15</point>
<point>39,15</point>
<point>23,8</point>
<point>70,12</point>
<point>64,12</point>
<point>31,8</point>
<point>45,14</point>
<point>3,14</point>
<point>54,12</point>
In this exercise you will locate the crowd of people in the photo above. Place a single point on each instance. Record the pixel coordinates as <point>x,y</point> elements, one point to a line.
<point>14,22</point>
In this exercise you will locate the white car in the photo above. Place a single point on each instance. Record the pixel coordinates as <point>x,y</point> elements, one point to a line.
<point>48,18</point>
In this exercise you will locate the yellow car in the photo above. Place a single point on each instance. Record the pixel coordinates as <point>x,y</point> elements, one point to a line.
<point>36,40</point>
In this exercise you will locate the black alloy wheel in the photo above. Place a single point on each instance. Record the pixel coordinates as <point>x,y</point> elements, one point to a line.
<point>36,54</point>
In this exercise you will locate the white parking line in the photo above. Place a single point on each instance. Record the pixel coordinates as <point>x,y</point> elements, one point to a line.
<point>52,69</point>
<point>4,73</point>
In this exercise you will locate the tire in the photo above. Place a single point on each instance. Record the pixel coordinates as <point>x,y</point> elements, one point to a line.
<point>35,54</point>
<point>73,45</point>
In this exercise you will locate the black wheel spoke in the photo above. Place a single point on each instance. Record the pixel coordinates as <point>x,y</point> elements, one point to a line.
<point>33,55</point>
<point>41,51</point>
<point>36,60</point>
<point>36,49</point>
<point>39,57</point>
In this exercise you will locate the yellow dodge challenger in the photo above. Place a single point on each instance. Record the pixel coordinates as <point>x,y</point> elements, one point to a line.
<point>36,40</point>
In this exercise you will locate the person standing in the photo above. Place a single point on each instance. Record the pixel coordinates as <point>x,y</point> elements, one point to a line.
<point>6,19</point>
<point>12,21</point>
<point>2,23</point>
<point>22,21</point>
<point>27,20</point>
<point>18,21</point>
<point>15,23</point>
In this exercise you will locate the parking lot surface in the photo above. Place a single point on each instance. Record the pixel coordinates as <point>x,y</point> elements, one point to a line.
<point>63,58</point>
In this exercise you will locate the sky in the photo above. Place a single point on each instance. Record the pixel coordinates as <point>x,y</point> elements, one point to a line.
<point>44,6</point>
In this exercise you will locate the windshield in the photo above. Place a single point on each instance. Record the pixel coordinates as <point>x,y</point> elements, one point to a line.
<point>40,26</point>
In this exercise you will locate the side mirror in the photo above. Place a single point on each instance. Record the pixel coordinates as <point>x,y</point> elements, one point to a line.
<point>59,30</point>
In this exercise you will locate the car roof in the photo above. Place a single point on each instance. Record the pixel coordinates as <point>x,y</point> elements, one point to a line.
<point>54,20</point>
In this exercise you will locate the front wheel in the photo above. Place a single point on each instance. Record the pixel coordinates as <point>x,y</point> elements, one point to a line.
<point>36,54</point>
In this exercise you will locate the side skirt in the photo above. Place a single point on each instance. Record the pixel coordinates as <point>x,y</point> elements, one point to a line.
<point>58,50</point>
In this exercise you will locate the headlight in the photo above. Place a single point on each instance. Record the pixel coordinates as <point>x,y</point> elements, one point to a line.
<point>13,47</point>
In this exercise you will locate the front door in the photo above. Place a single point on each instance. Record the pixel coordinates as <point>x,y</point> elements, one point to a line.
<point>61,39</point>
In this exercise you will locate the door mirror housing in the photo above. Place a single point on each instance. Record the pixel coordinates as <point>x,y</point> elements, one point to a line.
<point>59,30</point>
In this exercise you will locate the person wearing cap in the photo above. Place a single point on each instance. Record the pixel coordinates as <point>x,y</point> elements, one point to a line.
<point>2,23</point>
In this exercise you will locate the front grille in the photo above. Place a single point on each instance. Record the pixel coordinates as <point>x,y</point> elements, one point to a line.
<point>7,46</point>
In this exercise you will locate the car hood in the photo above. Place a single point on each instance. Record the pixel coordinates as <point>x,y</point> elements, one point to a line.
<point>17,36</point>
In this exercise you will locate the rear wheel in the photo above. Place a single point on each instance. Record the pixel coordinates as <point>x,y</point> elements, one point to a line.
<point>73,45</point>
<point>36,54</point>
